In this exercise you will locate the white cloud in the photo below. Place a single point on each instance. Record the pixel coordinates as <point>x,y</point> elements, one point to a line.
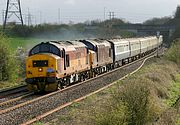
<point>71,2</point>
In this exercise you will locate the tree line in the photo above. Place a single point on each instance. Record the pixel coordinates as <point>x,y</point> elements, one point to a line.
<point>87,29</point>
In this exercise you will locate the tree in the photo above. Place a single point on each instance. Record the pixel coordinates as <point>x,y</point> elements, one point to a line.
<point>177,13</point>
<point>157,21</point>
<point>176,22</point>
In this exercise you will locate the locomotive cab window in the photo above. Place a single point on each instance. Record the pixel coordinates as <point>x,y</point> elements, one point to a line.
<point>40,63</point>
<point>109,52</point>
<point>45,48</point>
<point>67,61</point>
<point>35,50</point>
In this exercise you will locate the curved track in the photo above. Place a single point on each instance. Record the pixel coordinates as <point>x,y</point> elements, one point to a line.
<point>51,112</point>
<point>37,108</point>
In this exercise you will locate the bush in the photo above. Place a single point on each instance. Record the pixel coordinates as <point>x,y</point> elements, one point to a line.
<point>115,114</point>
<point>138,100</point>
<point>173,53</point>
<point>8,64</point>
<point>135,96</point>
<point>131,105</point>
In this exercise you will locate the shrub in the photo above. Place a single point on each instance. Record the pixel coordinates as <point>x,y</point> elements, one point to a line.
<point>173,54</point>
<point>114,115</point>
<point>135,96</point>
<point>8,64</point>
<point>131,104</point>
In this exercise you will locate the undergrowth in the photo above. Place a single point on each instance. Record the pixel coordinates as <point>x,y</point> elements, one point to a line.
<point>174,91</point>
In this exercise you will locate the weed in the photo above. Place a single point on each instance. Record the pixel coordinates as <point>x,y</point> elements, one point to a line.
<point>173,53</point>
<point>38,123</point>
<point>174,91</point>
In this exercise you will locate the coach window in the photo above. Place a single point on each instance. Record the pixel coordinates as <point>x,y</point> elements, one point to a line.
<point>67,61</point>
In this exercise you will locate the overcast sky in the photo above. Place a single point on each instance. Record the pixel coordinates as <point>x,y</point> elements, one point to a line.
<point>135,11</point>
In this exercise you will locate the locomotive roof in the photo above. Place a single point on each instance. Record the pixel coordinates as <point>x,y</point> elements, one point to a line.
<point>98,42</point>
<point>147,38</point>
<point>55,47</point>
<point>119,41</point>
<point>67,45</point>
<point>101,42</point>
<point>133,40</point>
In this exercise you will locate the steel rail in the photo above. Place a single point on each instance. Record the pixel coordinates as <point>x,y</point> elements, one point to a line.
<point>9,91</point>
<point>16,99</point>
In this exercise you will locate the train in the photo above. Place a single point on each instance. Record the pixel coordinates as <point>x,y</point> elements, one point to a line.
<point>54,65</point>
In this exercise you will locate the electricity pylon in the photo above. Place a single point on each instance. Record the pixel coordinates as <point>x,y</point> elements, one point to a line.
<point>13,8</point>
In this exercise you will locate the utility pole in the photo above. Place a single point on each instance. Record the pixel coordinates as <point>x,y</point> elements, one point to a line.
<point>2,15</point>
<point>35,20</point>
<point>59,16</point>
<point>13,8</point>
<point>29,18</point>
<point>104,13</point>
<point>158,36</point>
<point>40,17</point>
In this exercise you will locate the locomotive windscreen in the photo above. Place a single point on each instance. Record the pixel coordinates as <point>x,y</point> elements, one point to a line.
<point>45,48</point>
<point>40,63</point>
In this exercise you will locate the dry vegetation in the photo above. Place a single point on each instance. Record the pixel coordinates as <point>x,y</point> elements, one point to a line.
<point>147,97</point>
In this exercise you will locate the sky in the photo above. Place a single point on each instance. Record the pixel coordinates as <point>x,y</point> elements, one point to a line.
<point>65,11</point>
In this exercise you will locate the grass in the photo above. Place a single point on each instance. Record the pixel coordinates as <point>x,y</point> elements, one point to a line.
<point>7,84</point>
<point>106,107</point>
<point>26,43</point>
<point>38,123</point>
<point>174,91</point>
<point>178,120</point>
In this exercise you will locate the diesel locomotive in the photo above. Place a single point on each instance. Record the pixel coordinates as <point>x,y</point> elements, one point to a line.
<point>58,64</point>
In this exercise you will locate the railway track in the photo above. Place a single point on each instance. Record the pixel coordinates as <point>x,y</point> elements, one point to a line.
<point>41,107</point>
<point>17,100</point>
<point>10,91</point>
<point>14,92</point>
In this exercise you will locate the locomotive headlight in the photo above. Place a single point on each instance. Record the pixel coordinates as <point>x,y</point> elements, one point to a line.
<point>40,69</point>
